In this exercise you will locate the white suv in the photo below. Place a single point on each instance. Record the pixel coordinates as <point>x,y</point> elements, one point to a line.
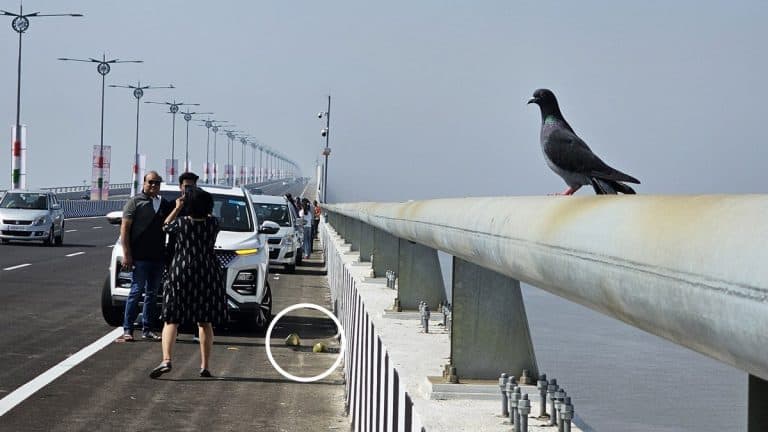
<point>285,245</point>
<point>240,248</point>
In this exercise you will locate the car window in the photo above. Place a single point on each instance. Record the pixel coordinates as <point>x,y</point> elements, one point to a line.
<point>24,200</point>
<point>277,213</point>
<point>232,211</point>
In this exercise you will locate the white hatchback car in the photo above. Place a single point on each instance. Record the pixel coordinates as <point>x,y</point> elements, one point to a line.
<point>285,245</point>
<point>27,215</point>
<point>241,247</point>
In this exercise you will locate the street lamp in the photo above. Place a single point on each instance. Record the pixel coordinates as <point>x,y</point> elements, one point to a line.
<point>173,108</point>
<point>208,125</point>
<point>138,92</point>
<point>215,130</point>
<point>103,67</point>
<point>326,132</point>
<point>187,118</point>
<point>20,24</point>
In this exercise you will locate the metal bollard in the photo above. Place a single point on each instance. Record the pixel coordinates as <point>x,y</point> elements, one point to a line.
<point>567,415</point>
<point>525,378</point>
<point>513,412</point>
<point>511,383</point>
<point>452,377</point>
<point>559,398</point>
<point>503,386</point>
<point>542,386</point>
<point>551,390</point>
<point>524,408</point>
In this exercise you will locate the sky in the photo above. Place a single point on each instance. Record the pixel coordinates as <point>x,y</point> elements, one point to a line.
<point>428,97</point>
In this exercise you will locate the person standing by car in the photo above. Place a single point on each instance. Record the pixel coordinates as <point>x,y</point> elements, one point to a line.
<point>143,242</point>
<point>195,289</point>
<point>316,210</point>
<point>306,216</point>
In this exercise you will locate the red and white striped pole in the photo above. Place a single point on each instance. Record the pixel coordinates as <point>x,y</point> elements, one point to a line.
<point>18,156</point>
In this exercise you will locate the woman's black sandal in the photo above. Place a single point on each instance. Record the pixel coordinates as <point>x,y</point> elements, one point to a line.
<point>161,369</point>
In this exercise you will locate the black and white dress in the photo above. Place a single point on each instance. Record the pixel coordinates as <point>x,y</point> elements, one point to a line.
<point>194,289</point>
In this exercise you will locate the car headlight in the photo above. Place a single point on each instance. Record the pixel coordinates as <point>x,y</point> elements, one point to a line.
<point>246,251</point>
<point>41,220</point>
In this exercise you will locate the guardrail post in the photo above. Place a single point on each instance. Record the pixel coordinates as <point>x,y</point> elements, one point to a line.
<point>480,346</point>
<point>366,242</point>
<point>353,234</point>
<point>757,404</point>
<point>385,253</point>
<point>420,278</point>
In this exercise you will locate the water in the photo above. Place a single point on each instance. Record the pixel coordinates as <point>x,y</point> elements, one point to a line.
<point>622,379</point>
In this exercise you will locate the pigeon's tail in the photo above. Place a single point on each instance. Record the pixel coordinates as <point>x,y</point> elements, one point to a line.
<point>610,187</point>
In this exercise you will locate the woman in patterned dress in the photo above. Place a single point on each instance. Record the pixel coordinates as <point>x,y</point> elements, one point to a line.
<point>194,290</point>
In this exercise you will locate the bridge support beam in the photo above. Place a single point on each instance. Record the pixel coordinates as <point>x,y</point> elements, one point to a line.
<point>757,404</point>
<point>385,253</point>
<point>419,278</point>
<point>490,331</point>
<point>353,234</point>
<point>366,242</point>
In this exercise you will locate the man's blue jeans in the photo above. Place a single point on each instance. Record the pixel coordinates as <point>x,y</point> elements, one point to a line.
<point>147,279</point>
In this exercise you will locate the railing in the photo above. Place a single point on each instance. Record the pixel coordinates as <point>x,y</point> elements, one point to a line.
<point>691,269</point>
<point>65,189</point>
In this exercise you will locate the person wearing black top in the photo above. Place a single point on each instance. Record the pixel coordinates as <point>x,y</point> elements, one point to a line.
<point>143,242</point>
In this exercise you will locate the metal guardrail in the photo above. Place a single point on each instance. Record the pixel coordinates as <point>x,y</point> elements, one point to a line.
<point>64,189</point>
<point>690,269</point>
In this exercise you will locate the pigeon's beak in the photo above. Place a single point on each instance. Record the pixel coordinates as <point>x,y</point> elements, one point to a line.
<point>533,100</point>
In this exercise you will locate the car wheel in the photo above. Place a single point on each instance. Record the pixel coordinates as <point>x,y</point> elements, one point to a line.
<point>59,240</point>
<point>113,315</point>
<point>264,313</point>
<point>49,239</point>
<point>299,256</point>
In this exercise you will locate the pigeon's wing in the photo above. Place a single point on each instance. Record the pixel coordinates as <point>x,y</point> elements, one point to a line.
<point>569,152</point>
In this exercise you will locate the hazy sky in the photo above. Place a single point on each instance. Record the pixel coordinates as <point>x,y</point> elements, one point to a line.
<point>428,96</point>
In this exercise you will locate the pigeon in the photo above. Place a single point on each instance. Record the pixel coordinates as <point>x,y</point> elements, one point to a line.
<point>570,157</point>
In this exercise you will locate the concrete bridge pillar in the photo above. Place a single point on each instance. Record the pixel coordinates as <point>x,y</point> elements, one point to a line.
<point>490,331</point>
<point>353,234</point>
<point>366,242</point>
<point>385,252</point>
<point>757,404</point>
<point>419,278</point>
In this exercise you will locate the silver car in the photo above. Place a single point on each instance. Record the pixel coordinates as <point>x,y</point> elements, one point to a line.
<point>29,215</point>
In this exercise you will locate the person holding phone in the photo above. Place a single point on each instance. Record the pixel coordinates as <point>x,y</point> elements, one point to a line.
<point>143,242</point>
<point>195,289</point>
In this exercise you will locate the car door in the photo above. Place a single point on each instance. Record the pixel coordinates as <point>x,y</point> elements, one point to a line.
<point>57,213</point>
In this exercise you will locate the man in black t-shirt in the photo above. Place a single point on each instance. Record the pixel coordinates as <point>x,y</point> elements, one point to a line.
<point>143,242</point>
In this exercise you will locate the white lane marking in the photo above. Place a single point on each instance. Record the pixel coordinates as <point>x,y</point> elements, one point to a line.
<point>17,267</point>
<point>20,394</point>
<point>96,227</point>
<point>111,246</point>
<point>75,254</point>
<point>70,230</point>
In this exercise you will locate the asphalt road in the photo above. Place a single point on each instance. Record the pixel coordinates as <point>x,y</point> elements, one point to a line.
<point>50,309</point>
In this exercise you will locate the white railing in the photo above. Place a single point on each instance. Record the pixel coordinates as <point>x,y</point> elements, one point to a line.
<point>691,269</point>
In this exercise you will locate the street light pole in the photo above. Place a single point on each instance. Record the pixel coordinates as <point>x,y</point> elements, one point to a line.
<point>326,132</point>
<point>210,124</point>
<point>103,67</point>
<point>20,24</point>
<point>173,108</point>
<point>138,92</point>
<point>187,118</point>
